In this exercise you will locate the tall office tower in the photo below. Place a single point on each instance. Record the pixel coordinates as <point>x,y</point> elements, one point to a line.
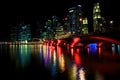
<point>66,24</point>
<point>24,32</point>
<point>49,29</point>
<point>71,18</point>
<point>55,24</point>
<point>13,33</point>
<point>85,26</point>
<point>75,19</point>
<point>96,17</point>
<point>79,20</point>
<point>55,20</point>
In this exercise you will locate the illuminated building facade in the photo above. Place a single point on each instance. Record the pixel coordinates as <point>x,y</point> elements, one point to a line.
<point>54,22</point>
<point>79,19</point>
<point>20,32</point>
<point>96,17</point>
<point>85,26</point>
<point>24,33</point>
<point>99,22</point>
<point>49,30</point>
<point>75,19</point>
<point>59,32</point>
<point>66,25</point>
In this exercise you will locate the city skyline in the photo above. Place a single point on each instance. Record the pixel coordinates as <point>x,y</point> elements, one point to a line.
<point>29,12</point>
<point>32,14</point>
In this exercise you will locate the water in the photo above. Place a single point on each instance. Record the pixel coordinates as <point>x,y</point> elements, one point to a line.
<point>43,62</point>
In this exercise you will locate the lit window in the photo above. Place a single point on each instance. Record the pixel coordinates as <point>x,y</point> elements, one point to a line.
<point>98,6</point>
<point>97,10</point>
<point>99,16</point>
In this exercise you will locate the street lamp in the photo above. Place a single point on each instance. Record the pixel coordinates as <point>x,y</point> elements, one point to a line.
<point>111,23</point>
<point>80,24</point>
<point>80,19</point>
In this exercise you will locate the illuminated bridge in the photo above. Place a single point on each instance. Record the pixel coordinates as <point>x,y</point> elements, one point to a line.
<point>86,39</point>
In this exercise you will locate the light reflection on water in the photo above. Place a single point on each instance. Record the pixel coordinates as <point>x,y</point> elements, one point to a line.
<point>20,54</point>
<point>60,61</point>
<point>119,49</point>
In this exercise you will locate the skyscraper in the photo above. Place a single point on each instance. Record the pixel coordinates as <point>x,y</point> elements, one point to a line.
<point>85,26</point>
<point>20,32</point>
<point>96,17</point>
<point>24,33</point>
<point>75,19</point>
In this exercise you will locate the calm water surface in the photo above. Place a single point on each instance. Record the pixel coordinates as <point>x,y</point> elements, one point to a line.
<point>42,62</point>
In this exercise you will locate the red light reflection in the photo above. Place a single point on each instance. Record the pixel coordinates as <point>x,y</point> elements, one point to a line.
<point>76,56</point>
<point>75,40</point>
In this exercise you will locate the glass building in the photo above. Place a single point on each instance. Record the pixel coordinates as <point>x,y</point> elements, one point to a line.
<point>24,33</point>
<point>75,19</point>
<point>85,26</point>
<point>96,17</point>
<point>21,33</point>
<point>99,22</point>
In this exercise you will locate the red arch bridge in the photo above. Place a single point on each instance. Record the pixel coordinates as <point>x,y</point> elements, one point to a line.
<point>80,40</point>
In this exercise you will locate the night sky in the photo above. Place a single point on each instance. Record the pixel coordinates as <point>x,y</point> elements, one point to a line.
<point>33,11</point>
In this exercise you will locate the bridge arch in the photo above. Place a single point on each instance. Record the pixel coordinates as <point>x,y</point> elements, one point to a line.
<point>92,39</point>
